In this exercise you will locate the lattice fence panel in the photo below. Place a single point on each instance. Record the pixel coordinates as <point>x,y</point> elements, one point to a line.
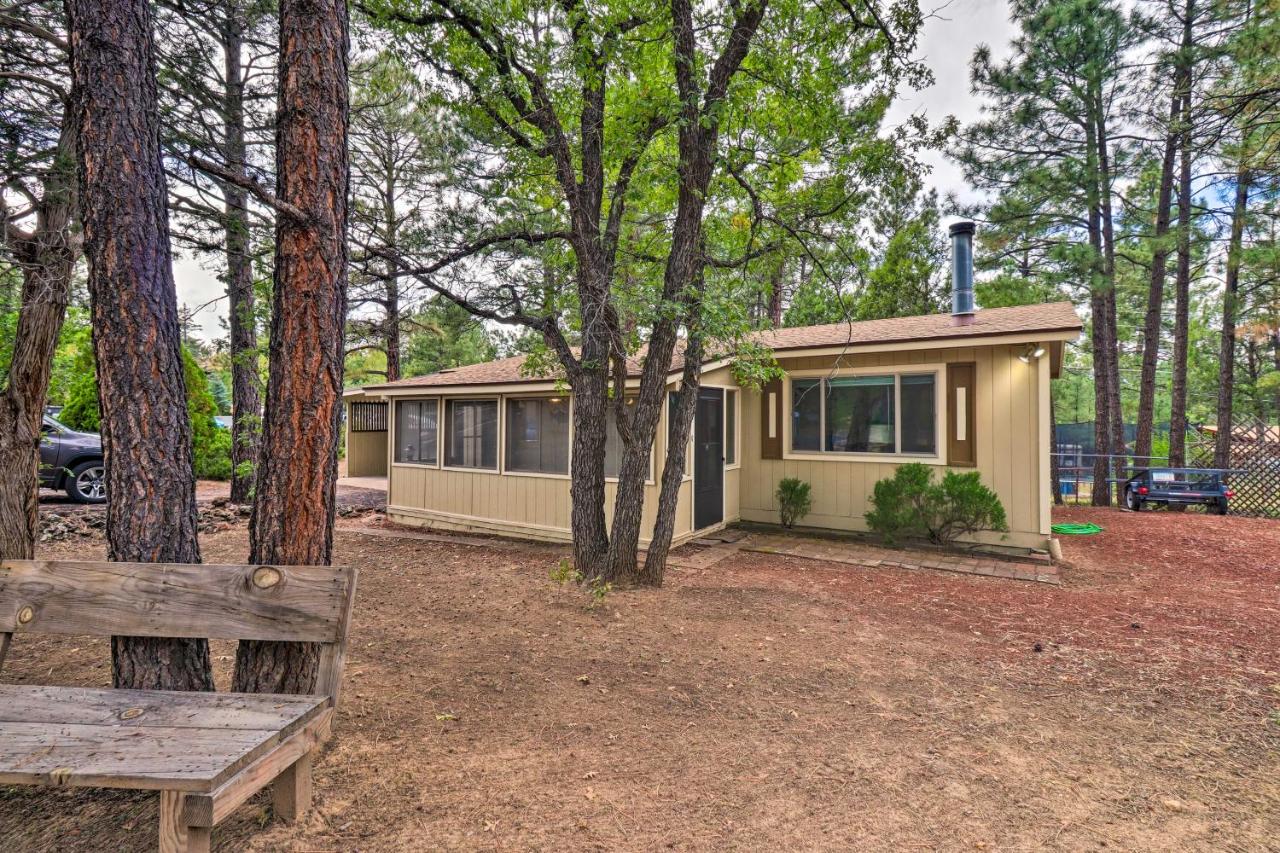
<point>369,417</point>
<point>1255,452</point>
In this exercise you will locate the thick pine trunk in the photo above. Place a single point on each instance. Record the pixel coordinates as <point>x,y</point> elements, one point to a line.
<point>1227,346</point>
<point>293,507</point>
<point>1153,322</point>
<point>246,395</point>
<point>664,525</point>
<point>146,435</point>
<point>47,261</point>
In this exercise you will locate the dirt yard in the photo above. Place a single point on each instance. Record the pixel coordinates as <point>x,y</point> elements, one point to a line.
<point>771,703</point>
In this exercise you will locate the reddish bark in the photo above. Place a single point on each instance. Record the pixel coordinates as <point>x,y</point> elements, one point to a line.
<point>146,435</point>
<point>293,509</point>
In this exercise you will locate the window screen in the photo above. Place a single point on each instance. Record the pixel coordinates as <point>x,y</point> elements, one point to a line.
<point>919,413</point>
<point>806,414</point>
<point>538,435</point>
<point>416,429</point>
<point>471,433</point>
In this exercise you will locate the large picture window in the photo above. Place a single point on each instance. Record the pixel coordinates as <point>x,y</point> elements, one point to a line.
<point>471,434</point>
<point>416,430</point>
<point>538,435</point>
<point>893,413</point>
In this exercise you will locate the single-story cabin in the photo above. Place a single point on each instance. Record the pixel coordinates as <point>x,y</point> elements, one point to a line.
<point>486,448</point>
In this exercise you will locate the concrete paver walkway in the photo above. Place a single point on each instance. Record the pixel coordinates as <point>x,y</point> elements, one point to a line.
<point>870,556</point>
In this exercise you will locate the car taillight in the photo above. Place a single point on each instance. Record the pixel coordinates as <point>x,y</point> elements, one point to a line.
<point>1142,490</point>
<point>1228,493</point>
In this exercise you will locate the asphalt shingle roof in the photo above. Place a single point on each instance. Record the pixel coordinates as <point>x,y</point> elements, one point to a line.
<point>1048,317</point>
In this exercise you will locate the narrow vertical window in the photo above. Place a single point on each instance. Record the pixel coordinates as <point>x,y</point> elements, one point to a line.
<point>731,427</point>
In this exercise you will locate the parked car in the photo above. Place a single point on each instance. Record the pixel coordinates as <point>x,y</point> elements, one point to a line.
<point>1184,486</point>
<point>72,461</point>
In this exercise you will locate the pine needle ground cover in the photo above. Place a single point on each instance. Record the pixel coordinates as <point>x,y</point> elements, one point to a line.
<point>767,703</point>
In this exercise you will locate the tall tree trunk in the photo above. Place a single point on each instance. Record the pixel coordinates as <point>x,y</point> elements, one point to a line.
<point>293,509</point>
<point>1227,346</point>
<point>1101,344</point>
<point>146,434</point>
<point>1153,322</point>
<point>1115,402</point>
<point>1182,278</point>
<point>47,260</point>
<point>664,525</point>
<point>246,395</point>
<point>391,325</point>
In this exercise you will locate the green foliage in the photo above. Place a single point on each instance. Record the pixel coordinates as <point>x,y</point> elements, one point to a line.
<point>563,572</point>
<point>445,335</point>
<point>754,366</point>
<point>910,505</point>
<point>210,445</point>
<point>795,500</point>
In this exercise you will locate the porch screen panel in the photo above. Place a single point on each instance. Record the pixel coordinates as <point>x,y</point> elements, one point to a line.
<point>538,435</point>
<point>416,431</point>
<point>471,438</point>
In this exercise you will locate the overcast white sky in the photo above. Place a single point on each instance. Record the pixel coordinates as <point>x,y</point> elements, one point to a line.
<point>946,44</point>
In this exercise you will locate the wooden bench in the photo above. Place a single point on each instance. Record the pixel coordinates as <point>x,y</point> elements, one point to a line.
<point>206,753</point>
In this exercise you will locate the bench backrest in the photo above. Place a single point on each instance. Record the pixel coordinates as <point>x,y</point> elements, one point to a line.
<point>291,603</point>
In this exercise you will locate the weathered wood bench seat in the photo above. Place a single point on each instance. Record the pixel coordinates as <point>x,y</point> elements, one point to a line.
<point>206,753</point>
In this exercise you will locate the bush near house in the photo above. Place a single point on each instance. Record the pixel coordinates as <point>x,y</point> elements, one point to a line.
<point>911,505</point>
<point>210,445</point>
<point>795,499</point>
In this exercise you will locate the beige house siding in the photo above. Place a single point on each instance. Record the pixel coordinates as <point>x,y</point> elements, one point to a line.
<point>1011,426</point>
<point>366,454</point>
<point>1012,445</point>
<point>534,506</point>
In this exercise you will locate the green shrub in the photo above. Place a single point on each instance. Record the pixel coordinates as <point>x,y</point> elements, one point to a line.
<point>210,444</point>
<point>910,504</point>
<point>795,499</point>
<point>900,503</point>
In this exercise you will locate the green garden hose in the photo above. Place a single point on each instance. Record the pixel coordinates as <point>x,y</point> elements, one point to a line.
<point>1077,529</point>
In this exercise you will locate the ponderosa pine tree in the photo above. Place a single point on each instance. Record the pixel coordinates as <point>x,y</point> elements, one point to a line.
<point>146,433</point>
<point>1048,153</point>
<point>293,507</point>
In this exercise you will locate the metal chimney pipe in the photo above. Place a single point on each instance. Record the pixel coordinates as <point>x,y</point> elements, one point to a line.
<point>962,304</point>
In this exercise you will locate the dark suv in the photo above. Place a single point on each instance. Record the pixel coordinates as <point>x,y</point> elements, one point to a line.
<point>72,461</point>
